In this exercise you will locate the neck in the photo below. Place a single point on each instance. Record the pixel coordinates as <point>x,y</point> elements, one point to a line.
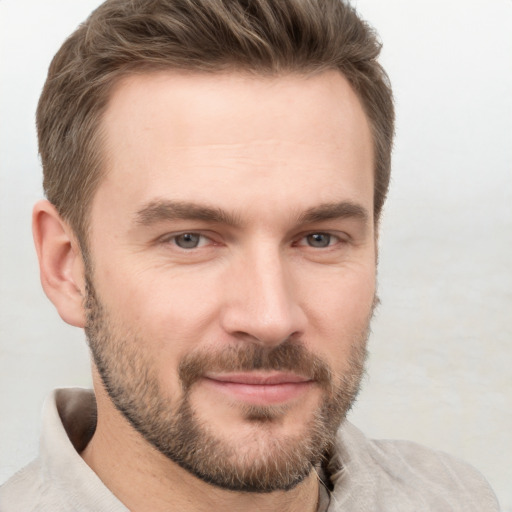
<point>146,481</point>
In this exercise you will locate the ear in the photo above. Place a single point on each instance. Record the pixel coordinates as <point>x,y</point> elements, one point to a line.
<point>60,263</point>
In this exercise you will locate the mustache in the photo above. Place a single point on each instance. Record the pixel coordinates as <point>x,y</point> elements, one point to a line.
<point>290,356</point>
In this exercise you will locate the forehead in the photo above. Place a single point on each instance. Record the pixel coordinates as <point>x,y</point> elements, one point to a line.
<point>207,137</point>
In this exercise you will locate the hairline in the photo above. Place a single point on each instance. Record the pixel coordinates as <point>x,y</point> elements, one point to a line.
<point>82,225</point>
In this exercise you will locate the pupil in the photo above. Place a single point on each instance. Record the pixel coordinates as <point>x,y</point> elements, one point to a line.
<point>187,241</point>
<point>319,240</point>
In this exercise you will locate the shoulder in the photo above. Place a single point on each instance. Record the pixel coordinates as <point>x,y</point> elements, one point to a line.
<point>402,475</point>
<point>59,479</point>
<point>27,491</point>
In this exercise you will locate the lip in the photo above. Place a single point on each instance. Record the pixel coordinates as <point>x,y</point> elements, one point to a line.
<point>259,388</point>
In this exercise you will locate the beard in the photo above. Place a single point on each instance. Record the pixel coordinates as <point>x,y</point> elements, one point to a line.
<point>272,462</point>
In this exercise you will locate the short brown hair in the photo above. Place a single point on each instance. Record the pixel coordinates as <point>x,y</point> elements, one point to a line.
<point>259,36</point>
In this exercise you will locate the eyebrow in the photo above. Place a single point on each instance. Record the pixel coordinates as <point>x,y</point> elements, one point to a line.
<point>165,210</point>
<point>332,211</point>
<point>158,211</point>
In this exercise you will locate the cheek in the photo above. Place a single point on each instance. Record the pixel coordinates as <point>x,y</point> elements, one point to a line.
<point>172,312</point>
<point>341,297</point>
<point>339,313</point>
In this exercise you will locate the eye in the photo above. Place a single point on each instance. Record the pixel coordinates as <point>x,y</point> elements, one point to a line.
<point>320,240</point>
<point>189,240</point>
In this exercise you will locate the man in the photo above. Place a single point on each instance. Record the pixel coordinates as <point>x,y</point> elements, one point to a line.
<point>215,173</point>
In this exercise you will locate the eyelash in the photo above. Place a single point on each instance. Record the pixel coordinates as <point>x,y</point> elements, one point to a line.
<point>332,240</point>
<point>174,239</point>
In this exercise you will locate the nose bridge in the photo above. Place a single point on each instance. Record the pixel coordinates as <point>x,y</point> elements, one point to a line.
<point>261,303</point>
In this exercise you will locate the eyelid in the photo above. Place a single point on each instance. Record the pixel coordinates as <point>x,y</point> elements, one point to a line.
<point>338,236</point>
<point>299,240</point>
<point>171,237</point>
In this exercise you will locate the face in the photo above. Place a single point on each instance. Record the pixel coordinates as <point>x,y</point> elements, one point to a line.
<point>233,268</point>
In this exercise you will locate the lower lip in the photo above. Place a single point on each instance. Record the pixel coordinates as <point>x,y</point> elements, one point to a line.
<point>260,394</point>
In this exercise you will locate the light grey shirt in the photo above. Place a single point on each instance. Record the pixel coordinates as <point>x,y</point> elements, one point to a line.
<point>366,475</point>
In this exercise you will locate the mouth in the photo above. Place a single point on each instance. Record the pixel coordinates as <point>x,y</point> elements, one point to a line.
<point>259,388</point>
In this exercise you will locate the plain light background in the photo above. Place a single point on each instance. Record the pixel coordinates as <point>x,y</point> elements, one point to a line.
<point>441,350</point>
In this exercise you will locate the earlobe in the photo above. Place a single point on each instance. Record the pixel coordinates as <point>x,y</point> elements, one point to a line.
<point>60,263</point>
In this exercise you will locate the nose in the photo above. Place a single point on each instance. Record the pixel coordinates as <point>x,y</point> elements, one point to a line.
<point>261,303</point>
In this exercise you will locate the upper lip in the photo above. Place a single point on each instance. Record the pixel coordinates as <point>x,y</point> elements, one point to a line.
<point>258,378</point>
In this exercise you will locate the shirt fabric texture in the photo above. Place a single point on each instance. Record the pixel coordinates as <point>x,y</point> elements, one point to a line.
<point>375,476</point>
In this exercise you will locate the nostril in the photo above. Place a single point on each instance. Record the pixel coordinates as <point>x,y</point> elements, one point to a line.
<point>260,301</point>
<point>266,328</point>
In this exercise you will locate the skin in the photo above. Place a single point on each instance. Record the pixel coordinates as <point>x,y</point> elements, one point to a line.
<point>269,152</point>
